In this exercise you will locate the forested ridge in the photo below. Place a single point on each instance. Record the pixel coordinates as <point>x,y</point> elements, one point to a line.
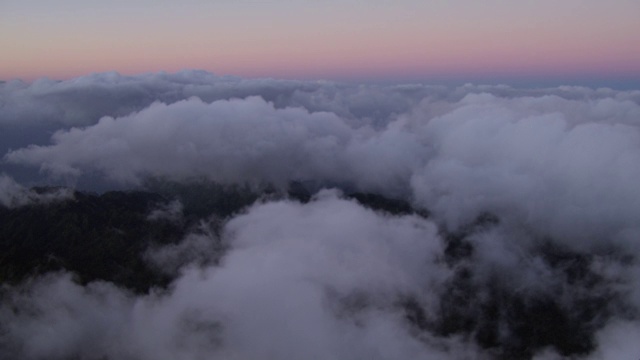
<point>105,236</point>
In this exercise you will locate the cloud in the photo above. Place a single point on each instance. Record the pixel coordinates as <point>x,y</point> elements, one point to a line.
<point>200,247</point>
<point>546,162</point>
<point>549,171</point>
<point>531,240</point>
<point>31,112</point>
<point>227,141</point>
<point>46,105</point>
<point>83,101</point>
<point>13,195</point>
<point>332,279</point>
<point>281,292</point>
<point>618,341</point>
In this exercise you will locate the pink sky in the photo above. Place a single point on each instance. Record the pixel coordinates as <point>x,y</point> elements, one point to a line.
<point>347,39</point>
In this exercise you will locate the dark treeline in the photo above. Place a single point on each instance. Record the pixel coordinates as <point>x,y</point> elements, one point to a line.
<point>105,237</point>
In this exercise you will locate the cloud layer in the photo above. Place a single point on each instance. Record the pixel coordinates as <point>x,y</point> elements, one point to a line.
<point>546,161</point>
<point>532,195</point>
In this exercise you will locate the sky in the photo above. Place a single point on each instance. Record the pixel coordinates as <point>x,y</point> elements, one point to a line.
<point>571,41</point>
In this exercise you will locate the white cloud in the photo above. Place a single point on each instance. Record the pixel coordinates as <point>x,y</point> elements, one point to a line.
<point>558,167</point>
<point>546,162</point>
<point>547,171</point>
<point>280,293</point>
<point>227,141</point>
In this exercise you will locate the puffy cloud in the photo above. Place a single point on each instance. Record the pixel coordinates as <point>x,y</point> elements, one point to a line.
<point>550,171</point>
<point>83,101</point>
<point>228,141</point>
<point>46,105</point>
<point>30,113</point>
<point>532,195</point>
<point>332,279</point>
<point>282,292</point>
<point>546,162</point>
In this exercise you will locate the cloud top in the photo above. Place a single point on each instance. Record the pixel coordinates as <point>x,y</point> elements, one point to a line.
<point>529,248</point>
